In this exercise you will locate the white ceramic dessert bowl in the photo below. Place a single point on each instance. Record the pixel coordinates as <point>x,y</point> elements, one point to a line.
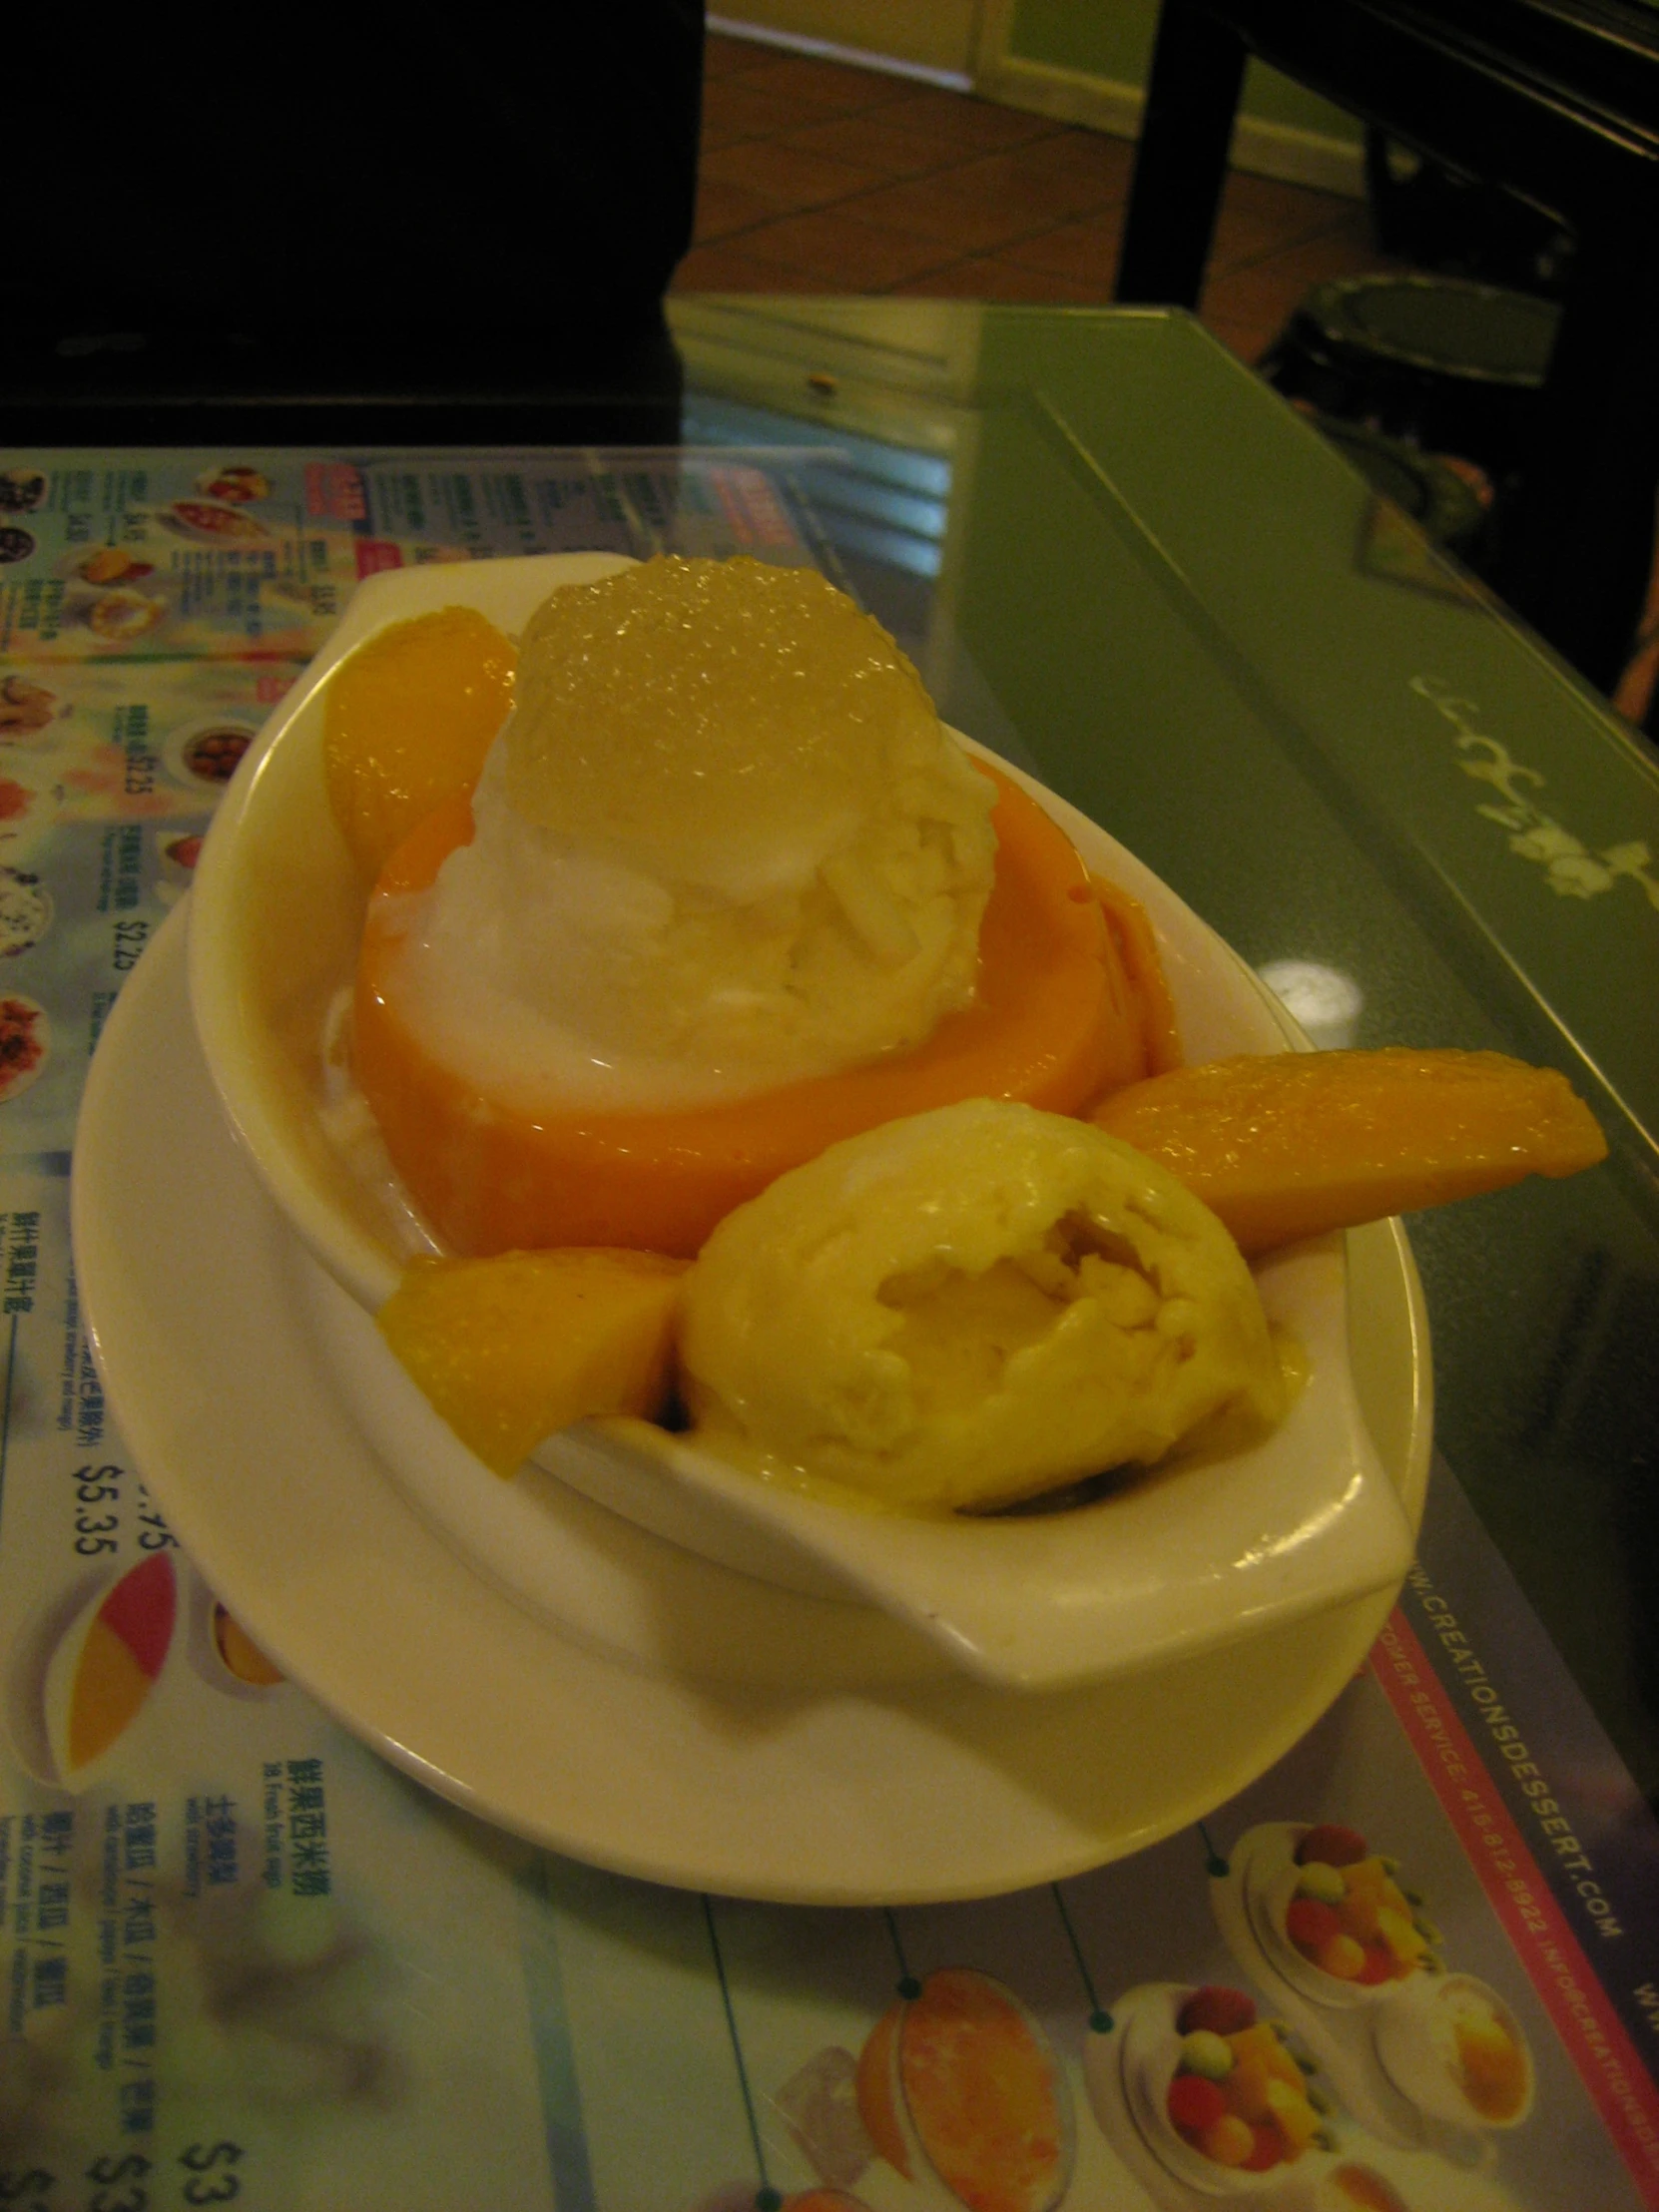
<point>1306,1522</point>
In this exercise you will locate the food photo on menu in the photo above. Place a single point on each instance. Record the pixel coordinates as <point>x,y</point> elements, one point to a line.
<point>1411,2084</point>
<point>156,562</point>
<point>108,775</point>
<point>804,1265</point>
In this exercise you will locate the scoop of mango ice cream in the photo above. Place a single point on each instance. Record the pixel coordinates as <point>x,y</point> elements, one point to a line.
<point>723,843</point>
<point>972,1306</point>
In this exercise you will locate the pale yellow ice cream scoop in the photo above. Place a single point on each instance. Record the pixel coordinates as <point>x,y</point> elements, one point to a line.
<point>972,1306</point>
<point>723,843</point>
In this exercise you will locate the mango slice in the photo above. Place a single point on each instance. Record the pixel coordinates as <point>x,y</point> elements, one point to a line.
<point>511,1349</point>
<point>1137,950</point>
<point>408,720</point>
<point>1288,1144</point>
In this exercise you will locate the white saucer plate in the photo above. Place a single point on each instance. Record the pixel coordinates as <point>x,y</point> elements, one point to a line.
<point>666,1731</point>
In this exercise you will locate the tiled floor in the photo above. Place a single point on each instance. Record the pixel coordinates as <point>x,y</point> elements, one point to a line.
<point>817,177</point>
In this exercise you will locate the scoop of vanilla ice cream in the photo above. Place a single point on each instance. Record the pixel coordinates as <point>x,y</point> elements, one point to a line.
<point>723,843</point>
<point>970,1306</point>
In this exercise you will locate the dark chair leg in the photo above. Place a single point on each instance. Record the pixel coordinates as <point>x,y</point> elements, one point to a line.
<point>1181,164</point>
<point>1578,550</point>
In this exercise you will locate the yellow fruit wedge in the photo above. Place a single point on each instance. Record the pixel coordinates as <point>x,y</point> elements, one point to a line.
<point>510,1349</point>
<point>407,724</point>
<point>1289,2108</point>
<point>1290,1144</point>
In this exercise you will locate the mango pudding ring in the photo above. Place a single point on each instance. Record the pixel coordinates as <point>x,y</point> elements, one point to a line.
<point>725,893</point>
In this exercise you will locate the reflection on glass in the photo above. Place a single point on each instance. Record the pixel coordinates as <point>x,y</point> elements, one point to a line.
<point>883,503</point>
<point>1323,999</point>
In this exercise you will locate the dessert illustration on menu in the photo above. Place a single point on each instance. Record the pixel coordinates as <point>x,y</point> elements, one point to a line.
<point>91,1677</point>
<point>1331,1932</point>
<point>1202,2097</point>
<point>956,2098</point>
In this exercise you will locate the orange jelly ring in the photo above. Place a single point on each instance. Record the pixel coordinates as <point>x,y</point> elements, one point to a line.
<point>1059,1019</point>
